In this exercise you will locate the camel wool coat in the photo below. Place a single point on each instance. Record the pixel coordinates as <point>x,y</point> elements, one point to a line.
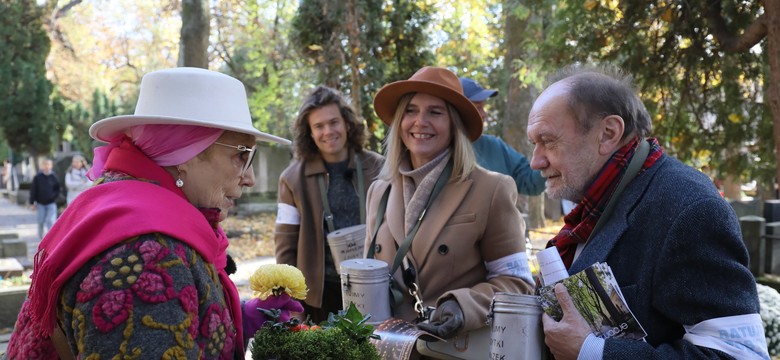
<point>468,224</point>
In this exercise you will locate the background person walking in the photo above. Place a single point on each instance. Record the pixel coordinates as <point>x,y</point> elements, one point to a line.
<point>43,196</point>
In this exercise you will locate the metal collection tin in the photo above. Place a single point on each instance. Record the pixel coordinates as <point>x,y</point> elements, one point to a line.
<point>366,283</point>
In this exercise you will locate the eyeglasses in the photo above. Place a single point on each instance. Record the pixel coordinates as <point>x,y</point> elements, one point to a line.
<point>243,148</point>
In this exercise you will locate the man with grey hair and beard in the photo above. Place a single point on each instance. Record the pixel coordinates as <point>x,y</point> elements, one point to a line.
<point>673,243</point>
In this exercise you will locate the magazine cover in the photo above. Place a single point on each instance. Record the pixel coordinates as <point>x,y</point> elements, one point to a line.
<point>597,296</point>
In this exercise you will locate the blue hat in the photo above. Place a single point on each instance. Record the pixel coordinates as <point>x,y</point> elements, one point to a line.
<point>474,92</point>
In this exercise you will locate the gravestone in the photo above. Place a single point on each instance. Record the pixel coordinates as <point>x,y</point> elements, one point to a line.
<point>753,235</point>
<point>772,262</point>
<point>14,247</point>
<point>746,208</point>
<point>12,299</point>
<point>6,236</point>
<point>22,197</point>
<point>10,267</point>
<point>772,210</point>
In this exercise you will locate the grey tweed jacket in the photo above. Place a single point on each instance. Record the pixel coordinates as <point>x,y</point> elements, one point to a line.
<point>676,249</point>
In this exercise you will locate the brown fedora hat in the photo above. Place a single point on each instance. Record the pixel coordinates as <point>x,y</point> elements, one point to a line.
<point>435,81</point>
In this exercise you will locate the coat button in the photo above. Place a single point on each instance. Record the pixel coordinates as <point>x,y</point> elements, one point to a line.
<point>377,248</point>
<point>443,249</point>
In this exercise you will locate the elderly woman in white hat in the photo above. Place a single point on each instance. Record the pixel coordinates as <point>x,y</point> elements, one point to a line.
<point>136,265</point>
<point>449,228</point>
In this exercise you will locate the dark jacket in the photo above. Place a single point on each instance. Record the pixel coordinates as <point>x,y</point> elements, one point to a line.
<point>675,247</point>
<point>45,189</point>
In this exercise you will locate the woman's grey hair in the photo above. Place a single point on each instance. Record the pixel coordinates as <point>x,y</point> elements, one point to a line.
<point>464,160</point>
<point>596,91</point>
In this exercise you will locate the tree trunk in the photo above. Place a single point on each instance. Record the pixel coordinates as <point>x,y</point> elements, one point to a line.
<point>772,11</point>
<point>353,34</point>
<point>732,187</point>
<point>519,99</point>
<point>193,48</point>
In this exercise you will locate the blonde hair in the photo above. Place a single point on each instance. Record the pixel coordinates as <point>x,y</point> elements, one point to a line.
<point>464,160</point>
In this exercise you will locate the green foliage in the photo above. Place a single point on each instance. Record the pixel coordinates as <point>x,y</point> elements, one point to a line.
<point>24,90</point>
<point>318,33</point>
<point>471,37</point>
<point>310,344</point>
<point>352,323</point>
<point>343,336</point>
<point>252,43</point>
<point>705,102</point>
<point>384,42</point>
<point>406,47</point>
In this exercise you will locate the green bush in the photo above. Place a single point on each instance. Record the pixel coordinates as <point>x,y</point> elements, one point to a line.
<point>322,344</point>
<point>344,336</point>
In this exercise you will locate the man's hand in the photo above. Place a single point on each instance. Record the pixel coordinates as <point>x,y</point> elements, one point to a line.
<point>565,337</point>
<point>447,320</point>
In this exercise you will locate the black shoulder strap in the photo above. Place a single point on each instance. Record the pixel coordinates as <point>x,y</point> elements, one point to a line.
<point>631,172</point>
<point>440,182</point>
<point>361,190</point>
<point>399,256</point>
<point>380,216</point>
<point>325,203</point>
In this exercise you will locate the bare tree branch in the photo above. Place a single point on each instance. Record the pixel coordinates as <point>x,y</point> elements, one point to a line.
<point>729,42</point>
<point>64,10</point>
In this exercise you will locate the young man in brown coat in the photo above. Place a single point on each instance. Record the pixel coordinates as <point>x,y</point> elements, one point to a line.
<point>328,147</point>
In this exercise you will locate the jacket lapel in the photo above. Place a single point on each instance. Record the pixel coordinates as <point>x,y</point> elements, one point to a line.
<point>314,165</point>
<point>437,216</point>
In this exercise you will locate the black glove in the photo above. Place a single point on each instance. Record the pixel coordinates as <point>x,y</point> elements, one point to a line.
<point>447,320</point>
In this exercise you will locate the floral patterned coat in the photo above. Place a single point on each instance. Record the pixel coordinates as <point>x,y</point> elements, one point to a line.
<point>151,296</point>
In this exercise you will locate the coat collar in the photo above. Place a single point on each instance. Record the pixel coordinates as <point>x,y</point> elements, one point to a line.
<point>435,218</point>
<point>597,249</point>
<point>315,165</point>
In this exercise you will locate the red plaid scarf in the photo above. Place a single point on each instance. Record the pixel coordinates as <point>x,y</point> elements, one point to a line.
<point>579,223</point>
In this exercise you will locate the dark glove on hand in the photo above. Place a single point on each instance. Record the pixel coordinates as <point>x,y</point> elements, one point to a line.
<point>447,320</point>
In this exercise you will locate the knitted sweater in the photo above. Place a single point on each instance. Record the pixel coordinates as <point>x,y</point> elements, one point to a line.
<point>151,296</point>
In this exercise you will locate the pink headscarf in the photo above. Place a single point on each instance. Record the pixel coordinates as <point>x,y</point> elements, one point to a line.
<point>166,145</point>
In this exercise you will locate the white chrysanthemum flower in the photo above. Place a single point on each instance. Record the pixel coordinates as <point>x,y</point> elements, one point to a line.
<point>769,300</point>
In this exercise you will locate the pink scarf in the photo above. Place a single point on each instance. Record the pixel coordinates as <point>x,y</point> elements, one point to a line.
<point>166,145</point>
<point>113,212</point>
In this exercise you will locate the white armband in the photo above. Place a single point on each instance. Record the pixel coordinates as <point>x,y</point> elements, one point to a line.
<point>287,214</point>
<point>515,265</point>
<point>740,336</point>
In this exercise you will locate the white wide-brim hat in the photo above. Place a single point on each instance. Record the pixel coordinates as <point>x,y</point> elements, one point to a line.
<point>187,96</point>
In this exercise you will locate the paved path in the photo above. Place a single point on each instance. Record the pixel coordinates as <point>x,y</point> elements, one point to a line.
<point>21,220</point>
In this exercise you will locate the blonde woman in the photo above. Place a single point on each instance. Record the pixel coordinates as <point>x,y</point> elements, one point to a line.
<point>450,228</point>
<point>76,180</point>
